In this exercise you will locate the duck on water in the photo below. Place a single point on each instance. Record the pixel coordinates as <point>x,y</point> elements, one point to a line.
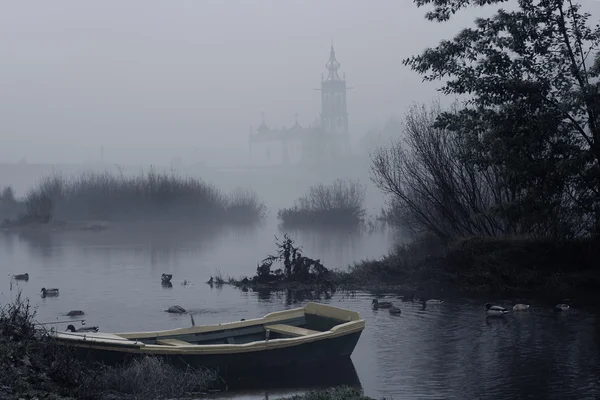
<point>71,328</point>
<point>495,311</point>
<point>166,278</point>
<point>176,310</point>
<point>376,304</point>
<point>49,292</point>
<point>395,310</point>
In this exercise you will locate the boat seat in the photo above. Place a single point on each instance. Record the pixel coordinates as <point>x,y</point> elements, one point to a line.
<point>290,330</point>
<point>173,342</point>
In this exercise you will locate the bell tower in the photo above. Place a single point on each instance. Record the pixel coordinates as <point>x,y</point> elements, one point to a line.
<point>334,115</point>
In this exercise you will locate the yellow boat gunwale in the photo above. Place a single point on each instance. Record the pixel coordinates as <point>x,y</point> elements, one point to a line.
<point>122,342</point>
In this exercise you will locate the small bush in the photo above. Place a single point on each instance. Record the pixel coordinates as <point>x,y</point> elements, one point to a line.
<point>338,204</point>
<point>339,393</point>
<point>296,267</point>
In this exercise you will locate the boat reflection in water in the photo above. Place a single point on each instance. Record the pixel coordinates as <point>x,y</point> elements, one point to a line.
<point>291,380</point>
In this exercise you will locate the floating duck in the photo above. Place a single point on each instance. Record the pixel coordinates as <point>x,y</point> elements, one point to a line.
<point>434,301</point>
<point>495,311</point>
<point>71,328</point>
<point>49,292</point>
<point>521,307</point>
<point>561,307</point>
<point>380,304</point>
<point>409,298</point>
<point>21,277</point>
<point>395,310</point>
<point>74,313</point>
<point>176,310</point>
<point>166,278</point>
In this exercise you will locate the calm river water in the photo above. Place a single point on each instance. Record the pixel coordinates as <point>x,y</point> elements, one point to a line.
<point>441,352</point>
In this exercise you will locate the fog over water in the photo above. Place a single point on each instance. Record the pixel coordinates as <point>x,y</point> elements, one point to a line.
<point>123,87</point>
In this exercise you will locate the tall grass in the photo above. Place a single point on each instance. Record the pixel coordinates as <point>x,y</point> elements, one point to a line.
<point>337,393</point>
<point>151,195</point>
<point>338,204</point>
<point>9,205</point>
<point>33,365</point>
<point>148,378</point>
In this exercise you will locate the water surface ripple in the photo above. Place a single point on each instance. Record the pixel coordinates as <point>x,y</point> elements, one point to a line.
<point>448,351</point>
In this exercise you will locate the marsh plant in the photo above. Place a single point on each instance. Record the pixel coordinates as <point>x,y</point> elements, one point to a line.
<point>339,204</point>
<point>296,267</point>
<point>149,196</point>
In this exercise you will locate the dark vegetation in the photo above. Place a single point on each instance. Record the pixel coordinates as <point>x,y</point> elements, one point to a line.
<point>32,365</point>
<point>476,264</point>
<point>339,393</point>
<point>507,182</point>
<point>338,204</point>
<point>150,196</point>
<point>9,205</point>
<point>294,270</point>
<point>483,264</point>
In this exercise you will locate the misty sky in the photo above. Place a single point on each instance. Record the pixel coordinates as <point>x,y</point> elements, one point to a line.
<point>149,80</point>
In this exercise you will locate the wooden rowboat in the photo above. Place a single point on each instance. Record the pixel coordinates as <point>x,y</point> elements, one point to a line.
<point>316,332</point>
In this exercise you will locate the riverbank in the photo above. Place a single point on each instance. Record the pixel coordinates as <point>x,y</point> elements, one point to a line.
<point>33,365</point>
<point>339,393</point>
<point>484,265</point>
<point>53,226</point>
<point>472,265</point>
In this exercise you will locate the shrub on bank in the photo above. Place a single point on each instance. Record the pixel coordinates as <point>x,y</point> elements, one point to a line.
<point>338,204</point>
<point>485,264</point>
<point>294,269</point>
<point>103,196</point>
<point>33,365</point>
<point>338,393</point>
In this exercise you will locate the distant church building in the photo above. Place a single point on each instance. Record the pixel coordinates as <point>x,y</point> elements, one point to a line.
<point>324,142</point>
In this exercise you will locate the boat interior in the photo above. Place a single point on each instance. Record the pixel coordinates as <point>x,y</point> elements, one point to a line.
<point>312,319</point>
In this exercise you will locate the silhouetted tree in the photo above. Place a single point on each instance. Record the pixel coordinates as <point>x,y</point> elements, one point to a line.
<point>533,104</point>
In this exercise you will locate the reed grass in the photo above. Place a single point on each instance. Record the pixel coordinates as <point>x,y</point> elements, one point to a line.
<point>338,204</point>
<point>337,393</point>
<point>148,378</point>
<point>148,196</point>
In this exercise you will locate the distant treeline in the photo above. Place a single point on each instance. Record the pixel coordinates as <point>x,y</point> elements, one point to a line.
<point>108,197</point>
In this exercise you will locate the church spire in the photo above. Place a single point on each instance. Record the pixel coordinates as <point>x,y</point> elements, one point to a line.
<point>332,66</point>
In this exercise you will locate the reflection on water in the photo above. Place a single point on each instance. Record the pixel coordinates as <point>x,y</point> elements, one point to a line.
<point>295,380</point>
<point>446,351</point>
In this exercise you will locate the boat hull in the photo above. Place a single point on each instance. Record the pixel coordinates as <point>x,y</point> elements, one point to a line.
<point>316,333</point>
<point>306,353</point>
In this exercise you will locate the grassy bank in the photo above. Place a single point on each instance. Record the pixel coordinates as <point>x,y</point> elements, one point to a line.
<point>485,265</point>
<point>117,198</point>
<point>32,365</point>
<point>340,204</point>
<point>340,393</point>
<point>475,265</point>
